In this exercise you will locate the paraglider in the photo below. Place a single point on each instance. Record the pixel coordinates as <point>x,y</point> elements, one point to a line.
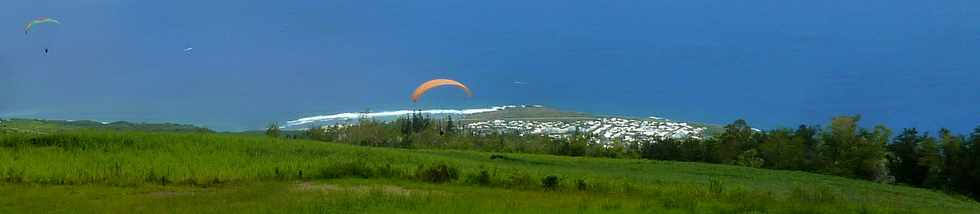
<point>39,21</point>
<point>437,83</point>
<point>44,40</point>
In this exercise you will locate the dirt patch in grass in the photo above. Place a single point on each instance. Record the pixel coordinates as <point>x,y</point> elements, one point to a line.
<point>387,189</point>
<point>361,189</point>
<point>310,186</point>
<point>167,194</point>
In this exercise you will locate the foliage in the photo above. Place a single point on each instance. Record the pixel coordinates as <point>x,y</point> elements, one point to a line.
<point>550,182</point>
<point>273,130</point>
<point>843,148</point>
<point>439,173</point>
<point>581,185</point>
<point>482,178</point>
<point>749,158</point>
<point>946,162</point>
<point>904,161</point>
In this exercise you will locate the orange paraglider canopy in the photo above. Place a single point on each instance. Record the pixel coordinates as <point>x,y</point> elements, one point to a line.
<point>437,83</point>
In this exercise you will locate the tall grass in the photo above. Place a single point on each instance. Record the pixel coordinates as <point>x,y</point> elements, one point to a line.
<point>193,160</point>
<point>135,158</point>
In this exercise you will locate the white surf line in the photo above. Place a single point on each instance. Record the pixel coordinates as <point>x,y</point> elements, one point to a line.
<point>351,115</point>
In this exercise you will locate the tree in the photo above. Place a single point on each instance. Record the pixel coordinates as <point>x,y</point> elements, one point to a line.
<point>451,128</point>
<point>930,158</point>
<point>953,160</point>
<point>972,164</point>
<point>842,133</point>
<point>807,136</point>
<point>694,150</point>
<point>851,151</point>
<point>749,158</point>
<point>904,160</point>
<point>662,149</point>
<point>875,156</point>
<point>314,133</point>
<point>322,134</point>
<point>737,138</point>
<point>838,140</point>
<point>779,150</point>
<point>615,149</point>
<point>420,122</point>
<point>273,130</point>
<point>868,155</point>
<point>578,144</point>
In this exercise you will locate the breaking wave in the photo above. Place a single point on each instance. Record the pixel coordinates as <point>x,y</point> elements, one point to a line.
<point>351,115</point>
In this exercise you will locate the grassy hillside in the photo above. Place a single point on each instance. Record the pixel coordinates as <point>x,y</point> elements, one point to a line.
<point>51,126</point>
<point>99,171</point>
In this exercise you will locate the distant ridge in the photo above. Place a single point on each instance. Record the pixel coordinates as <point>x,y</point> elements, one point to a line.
<point>50,126</point>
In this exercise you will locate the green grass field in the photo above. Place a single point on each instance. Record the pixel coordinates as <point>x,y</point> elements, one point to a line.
<point>104,171</point>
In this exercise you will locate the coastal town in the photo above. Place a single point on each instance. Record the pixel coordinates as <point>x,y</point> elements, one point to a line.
<point>533,120</point>
<point>605,129</point>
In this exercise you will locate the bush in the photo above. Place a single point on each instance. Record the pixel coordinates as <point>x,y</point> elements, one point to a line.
<point>814,195</point>
<point>520,179</point>
<point>715,187</point>
<point>387,172</point>
<point>581,185</point>
<point>439,173</point>
<point>345,170</point>
<point>12,176</point>
<point>152,177</point>
<point>680,202</point>
<point>273,130</point>
<point>481,178</point>
<point>750,158</point>
<point>550,182</point>
<point>496,156</point>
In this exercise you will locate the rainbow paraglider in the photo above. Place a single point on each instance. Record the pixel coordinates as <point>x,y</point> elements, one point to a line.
<point>38,21</point>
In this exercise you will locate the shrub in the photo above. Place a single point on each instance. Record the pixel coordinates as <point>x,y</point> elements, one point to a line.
<point>581,185</point>
<point>387,172</point>
<point>159,179</point>
<point>273,130</point>
<point>348,169</point>
<point>481,178</point>
<point>681,201</point>
<point>715,187</point>
<point>520,179</point>
<point>750,158</point>
<point>550,182</point>
<point>748,201</point>
<point>12,176</point>
<point>439,173</point>
<point>496,156</point>
<point>811,195</point>
<point>279,174</point>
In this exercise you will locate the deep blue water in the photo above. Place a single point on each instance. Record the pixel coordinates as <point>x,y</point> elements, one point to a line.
<point>775,63</point>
